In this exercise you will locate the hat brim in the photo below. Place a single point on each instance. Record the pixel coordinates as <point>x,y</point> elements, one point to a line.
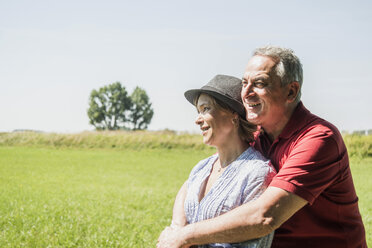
<point>193,94</point>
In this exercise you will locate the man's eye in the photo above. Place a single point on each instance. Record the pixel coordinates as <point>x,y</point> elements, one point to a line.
<point>244,82</point>
<point>259,84</point>
<point>206,109</point>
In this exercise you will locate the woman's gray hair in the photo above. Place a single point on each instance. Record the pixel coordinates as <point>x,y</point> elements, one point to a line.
<point>288,67</point>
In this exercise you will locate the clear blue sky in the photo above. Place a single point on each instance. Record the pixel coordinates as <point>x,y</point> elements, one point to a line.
<point>53,53</point>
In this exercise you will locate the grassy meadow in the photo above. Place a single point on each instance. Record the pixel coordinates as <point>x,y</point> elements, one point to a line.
<point>108,189</point>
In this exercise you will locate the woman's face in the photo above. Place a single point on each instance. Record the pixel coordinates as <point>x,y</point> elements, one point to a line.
<point>216,124</point>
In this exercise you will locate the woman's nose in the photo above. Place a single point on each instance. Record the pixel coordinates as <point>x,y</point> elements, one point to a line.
<point>198,120</point>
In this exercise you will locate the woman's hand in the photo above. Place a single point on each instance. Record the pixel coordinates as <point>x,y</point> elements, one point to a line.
<point>171,237</point>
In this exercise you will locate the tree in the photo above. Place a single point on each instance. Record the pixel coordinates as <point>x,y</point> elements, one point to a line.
<point>141,111</point>
<point>112,108</point>
<point>109,107</point>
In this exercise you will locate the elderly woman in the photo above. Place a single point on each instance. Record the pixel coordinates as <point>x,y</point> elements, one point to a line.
<point>236,174</point>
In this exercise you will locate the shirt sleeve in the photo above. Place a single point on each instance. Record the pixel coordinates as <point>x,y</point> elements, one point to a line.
<point>312,164</point>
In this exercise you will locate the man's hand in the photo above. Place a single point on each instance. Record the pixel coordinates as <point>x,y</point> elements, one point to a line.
<point>171,237</point>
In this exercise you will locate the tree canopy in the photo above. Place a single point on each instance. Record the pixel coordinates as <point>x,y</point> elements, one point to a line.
<point>111,108</point>
<point>141,112</point>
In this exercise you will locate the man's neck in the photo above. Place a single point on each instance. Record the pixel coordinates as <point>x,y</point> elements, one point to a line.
<point>275,128</point>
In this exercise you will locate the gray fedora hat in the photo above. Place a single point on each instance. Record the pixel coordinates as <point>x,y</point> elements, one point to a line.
<point>225,89</point>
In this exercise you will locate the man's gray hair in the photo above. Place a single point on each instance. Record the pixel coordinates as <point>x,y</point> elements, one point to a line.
<point>288,67</point>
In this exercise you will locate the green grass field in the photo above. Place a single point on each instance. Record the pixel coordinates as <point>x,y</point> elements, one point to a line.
<point>74,197</point>
<point>362,171</point>
<point>88,198</point>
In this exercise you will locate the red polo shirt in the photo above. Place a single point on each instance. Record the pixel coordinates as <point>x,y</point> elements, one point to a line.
<point>312,162</point>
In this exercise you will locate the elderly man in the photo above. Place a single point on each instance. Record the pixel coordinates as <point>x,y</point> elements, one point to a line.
<point>311,202</point>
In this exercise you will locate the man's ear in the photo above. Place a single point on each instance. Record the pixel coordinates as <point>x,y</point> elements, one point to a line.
<point>293,91</point>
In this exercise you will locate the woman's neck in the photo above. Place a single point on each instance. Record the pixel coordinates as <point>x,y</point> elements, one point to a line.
<point>231,150</point>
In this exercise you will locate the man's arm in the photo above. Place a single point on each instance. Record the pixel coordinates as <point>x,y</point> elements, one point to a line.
<point>251,220</point>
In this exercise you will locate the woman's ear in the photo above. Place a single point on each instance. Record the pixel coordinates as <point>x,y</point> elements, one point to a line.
<point>235,119</point>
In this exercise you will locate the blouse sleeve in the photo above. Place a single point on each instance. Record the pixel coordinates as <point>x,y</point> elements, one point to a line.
<point>257,180</point>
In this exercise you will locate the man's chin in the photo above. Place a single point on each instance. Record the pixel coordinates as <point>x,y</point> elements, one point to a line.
<point>253,118</point>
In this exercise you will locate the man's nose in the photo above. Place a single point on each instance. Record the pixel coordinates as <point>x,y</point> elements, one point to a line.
<point>247,90</point>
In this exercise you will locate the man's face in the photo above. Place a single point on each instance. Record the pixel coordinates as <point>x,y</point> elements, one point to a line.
<point>264,99</point>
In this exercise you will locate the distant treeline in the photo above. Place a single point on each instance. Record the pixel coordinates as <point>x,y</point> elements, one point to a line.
<point>106,139</point>
<point>358,132</point>
<point>358,145</point>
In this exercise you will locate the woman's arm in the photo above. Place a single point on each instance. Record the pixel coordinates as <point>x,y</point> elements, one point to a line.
<point>179,217</point>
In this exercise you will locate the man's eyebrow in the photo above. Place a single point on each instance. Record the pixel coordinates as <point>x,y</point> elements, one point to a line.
<point>254,78</point>
<point>259,78</point>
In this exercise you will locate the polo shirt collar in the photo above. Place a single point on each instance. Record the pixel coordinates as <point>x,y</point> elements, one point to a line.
<point>299,118</point>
